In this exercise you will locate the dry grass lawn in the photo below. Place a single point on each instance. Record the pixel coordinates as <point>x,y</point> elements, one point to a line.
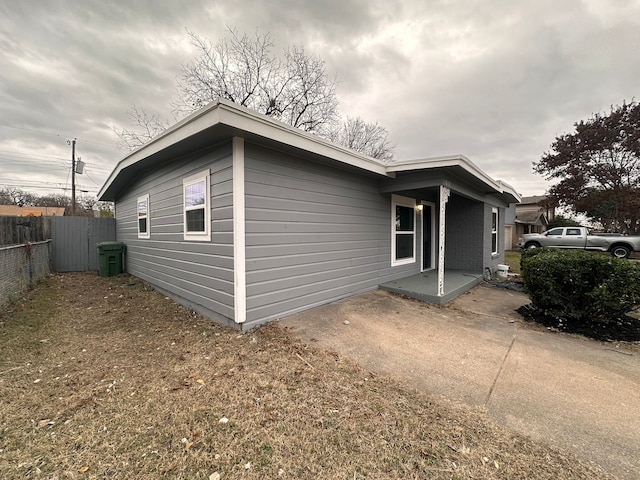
<point>105,378</point>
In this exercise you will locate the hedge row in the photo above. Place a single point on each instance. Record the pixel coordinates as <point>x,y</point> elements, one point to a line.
<point>579,287</point>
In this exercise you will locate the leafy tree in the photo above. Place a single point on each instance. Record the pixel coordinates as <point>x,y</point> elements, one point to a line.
<point>105,209</point>
<point>561,221</point>
<point>598,166</point>
<point>293,88</point>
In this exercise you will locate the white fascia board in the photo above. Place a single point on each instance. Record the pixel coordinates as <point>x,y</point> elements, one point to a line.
<point>225,112</point>
<point>194,123</point>
<point>245,119</point>
<point>506,188</point>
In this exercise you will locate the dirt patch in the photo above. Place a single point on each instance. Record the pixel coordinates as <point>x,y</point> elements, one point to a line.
<point>625,331</point>
<point>106,378</point>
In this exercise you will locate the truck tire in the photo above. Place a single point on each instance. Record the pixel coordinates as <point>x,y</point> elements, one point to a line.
<point>532,245</point>
<point>620,251</point>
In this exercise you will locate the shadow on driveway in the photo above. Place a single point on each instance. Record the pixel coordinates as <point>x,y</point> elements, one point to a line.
<point>571,392</point>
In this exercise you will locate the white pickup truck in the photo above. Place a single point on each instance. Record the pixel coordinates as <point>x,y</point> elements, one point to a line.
<point>619,246</point>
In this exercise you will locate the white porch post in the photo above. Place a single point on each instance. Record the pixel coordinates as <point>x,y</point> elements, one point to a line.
<point>444,198</point>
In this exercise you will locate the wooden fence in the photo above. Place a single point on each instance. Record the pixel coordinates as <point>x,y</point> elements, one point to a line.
<point>21,230</point>
<point>32,246</point>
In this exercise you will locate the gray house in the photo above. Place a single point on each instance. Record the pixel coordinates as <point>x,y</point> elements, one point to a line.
<point>246,219</point>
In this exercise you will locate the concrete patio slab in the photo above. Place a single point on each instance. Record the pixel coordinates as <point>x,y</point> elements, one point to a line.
<point>424,286</point>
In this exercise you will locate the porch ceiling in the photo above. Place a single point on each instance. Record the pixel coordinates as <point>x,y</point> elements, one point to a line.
<point>455,177</point>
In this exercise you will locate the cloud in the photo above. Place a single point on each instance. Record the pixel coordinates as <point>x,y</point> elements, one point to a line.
<point>496,81</point>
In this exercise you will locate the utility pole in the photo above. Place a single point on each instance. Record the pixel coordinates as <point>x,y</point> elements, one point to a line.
<point>73,177</point>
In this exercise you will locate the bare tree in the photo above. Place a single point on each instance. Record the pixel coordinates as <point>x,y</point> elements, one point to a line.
<point>369,138</point>
<point>293,88</point>
<point>16,196</point>
<point>5,197</point>
<point>54,200</point>
<point>87,203</point>
<point>145,127</point>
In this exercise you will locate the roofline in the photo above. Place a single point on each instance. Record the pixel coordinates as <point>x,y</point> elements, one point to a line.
<point>225,112</point>
<point>458,160</point>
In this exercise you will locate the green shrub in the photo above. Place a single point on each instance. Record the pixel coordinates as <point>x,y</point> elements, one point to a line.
<point>578,287</point>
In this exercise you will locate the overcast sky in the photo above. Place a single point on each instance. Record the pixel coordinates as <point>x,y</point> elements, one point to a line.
<point>495,80</point>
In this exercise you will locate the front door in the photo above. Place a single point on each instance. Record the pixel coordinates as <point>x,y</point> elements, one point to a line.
<point>427,236</point>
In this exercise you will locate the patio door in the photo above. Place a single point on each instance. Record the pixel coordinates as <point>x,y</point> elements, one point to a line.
<point>428,236</point>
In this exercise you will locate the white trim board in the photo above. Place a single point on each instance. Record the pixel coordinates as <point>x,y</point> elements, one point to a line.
<point>239,239</point>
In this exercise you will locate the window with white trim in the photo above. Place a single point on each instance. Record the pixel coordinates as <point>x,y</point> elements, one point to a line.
<point>197,207</point>
<point>494,231</point>
<point>142,210</point>
<point>403,231</point>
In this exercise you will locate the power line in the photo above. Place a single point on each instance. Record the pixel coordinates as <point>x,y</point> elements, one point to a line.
<point>42,165</point>
<point>57,135</point>
<point>31,130</point>
<point>48,186</point>
<point>31,155</point>
<point>97,184</point>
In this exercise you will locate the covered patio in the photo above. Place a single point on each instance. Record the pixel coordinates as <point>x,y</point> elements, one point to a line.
<point>424,286</point>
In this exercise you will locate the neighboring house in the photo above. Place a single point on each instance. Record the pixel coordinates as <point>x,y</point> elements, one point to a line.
<point>17,211</point>
<point>246,219</point>
<point>532,215</point>
<point>509,226</point>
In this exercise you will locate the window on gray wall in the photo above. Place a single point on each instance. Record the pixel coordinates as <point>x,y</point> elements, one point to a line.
<point>494,231</point>
<point>143,216</point>
<point>197,207</point>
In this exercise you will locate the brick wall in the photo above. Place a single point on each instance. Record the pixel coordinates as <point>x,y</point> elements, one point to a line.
<point>468,236</point>
<point>21,265</point>
<point>464,234</point>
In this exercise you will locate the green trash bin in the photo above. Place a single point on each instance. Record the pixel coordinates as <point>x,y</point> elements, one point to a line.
<point>110,258</point>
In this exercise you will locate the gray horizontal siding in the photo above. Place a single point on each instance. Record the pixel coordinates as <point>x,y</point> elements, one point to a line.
<point>199,272</point>
<point>313,234</point>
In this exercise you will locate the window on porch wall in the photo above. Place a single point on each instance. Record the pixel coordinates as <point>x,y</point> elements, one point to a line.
<point>404,234</point>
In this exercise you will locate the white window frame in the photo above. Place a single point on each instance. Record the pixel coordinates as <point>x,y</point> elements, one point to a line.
<point>192,180</point>
<point>397,200</point>
<point>494,232</point>
<point>146,216</point>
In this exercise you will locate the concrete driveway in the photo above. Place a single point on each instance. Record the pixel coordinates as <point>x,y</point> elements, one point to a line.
<point>570,392</point>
